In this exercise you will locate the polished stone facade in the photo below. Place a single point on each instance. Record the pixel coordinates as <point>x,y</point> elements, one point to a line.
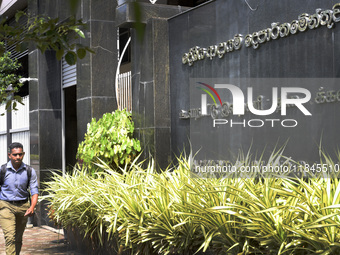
<point>310,54</point>
<point>160,82</point>
<point>95,89</point>
<point>151,78</point>
<point>94,95</point>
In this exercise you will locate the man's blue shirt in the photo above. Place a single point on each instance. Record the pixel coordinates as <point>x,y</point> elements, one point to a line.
<point>15,183</point>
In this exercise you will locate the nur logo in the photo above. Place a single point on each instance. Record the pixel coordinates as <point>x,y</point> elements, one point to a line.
<point>238,99</point>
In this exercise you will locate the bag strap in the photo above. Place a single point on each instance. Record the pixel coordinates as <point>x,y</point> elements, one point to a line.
<point>2,174</point>
<point>29,174</point>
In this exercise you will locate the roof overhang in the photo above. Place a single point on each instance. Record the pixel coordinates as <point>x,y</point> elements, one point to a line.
<point>10,7</point>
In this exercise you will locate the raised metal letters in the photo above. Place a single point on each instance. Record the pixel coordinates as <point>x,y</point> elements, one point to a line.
<point>197,53</point>
<point>276,31</point>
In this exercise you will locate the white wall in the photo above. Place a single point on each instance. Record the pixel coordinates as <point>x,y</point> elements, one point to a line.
<point>9,7</point>
<point>3,135</point>
<point>19,131</point>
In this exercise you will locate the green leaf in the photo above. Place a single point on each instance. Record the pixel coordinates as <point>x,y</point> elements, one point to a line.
<point>90,50</point>
<point>18,99</point>
<point>79,32</point>
<point>108,139</point>
<point>42,47</point>
<point>59,54</point>
<point>18,15</point>
<point>81,53</point>
<point>20,47</point>
<point>2,50</point>
<point>71,58</point>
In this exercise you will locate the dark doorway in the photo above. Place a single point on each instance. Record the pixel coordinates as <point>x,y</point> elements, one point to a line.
<point>71,145</point>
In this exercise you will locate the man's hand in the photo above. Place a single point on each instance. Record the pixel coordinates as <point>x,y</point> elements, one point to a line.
<point>29,212</point>
<point>34,202</point>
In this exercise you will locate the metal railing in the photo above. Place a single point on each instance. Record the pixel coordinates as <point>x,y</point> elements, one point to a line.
<point>124,89</point>
<point>123,84</point>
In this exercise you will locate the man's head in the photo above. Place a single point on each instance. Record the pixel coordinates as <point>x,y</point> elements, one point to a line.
<point>16,154</point>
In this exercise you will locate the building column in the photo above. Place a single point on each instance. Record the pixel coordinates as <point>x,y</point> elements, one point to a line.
<point>45,118</point>
<point>96,72</point>
<point>150,78</point>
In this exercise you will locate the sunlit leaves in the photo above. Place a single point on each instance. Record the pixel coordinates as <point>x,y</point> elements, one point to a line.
<point>110,139</point>
<point>174,212</point>
<point>44,33</point>
<point>9,80</point>
<point>18,15</point>
<point>79,32</point>
<point>47,34</point>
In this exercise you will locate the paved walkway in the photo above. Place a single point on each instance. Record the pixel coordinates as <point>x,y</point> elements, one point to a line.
<point>41,240</point>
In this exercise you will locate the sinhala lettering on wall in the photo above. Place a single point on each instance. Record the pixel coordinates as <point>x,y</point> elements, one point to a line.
<point>303,23</point>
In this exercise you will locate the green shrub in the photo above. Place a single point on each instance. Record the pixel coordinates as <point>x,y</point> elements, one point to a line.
<point>110,140</point>
<point>174,212</point>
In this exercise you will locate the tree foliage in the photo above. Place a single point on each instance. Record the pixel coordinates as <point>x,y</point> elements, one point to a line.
<point>110,139</point>
<point>9,80</point>
<point>43,33</point>
<point>46,33</point>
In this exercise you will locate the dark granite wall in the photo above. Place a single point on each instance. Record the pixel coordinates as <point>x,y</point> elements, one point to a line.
<point>95,93</point>
<point>95,89</point>
<point>150,91</point>
<point>96,72</point>
<point>151,79</point>
<point>314,53</point>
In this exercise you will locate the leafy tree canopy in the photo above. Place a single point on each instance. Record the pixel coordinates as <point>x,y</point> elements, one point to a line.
<point>44,33</point>
<point>9,80</point>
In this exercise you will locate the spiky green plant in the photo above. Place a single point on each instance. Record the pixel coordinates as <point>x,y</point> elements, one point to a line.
<point>74,203</point>
<point>175,212</point>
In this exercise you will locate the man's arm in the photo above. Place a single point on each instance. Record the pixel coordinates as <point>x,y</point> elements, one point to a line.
<point>34,202</point>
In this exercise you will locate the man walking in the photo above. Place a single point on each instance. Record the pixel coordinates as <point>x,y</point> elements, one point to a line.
<point>15,207</point>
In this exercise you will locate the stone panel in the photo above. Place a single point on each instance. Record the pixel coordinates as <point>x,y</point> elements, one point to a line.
<point>179,79</point>
<point>162,147</point>
<point>84,85</point>
<point>310,54</point>
<point>34,139</point>
<point>49,81</point>
<point>33,85</point>
<point>104,61</point>
<point>84,116</point>
<point>161,71</point>
<point>101,105</point>
<point>50,139</point>
<point>103,10</point>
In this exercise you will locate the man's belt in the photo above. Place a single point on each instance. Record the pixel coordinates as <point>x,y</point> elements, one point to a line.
<point>17,202</point>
